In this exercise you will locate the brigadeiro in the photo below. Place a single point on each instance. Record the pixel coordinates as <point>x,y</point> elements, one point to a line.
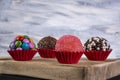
<point>68,49</point>
<point>97,48</point>
<point>46,47</point>
<point>22,48</point>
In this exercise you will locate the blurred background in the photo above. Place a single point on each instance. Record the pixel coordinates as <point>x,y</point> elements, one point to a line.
<point>40,18</point>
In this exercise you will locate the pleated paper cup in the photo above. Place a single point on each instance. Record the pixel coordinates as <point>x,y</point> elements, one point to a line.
<point>22,55</point>
<point>97,55</point>
<point>46,53</point>
<point>68,57</point>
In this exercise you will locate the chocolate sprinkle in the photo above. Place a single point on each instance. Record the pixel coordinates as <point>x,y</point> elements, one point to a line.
<point>47,43</point>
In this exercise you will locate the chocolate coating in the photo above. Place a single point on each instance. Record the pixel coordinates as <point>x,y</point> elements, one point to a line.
<point>97,43</point>
<point>47,43</point>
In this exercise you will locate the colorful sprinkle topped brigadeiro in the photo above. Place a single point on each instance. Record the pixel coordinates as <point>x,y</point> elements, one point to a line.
<point>22,43</point>
<point>22,48</point>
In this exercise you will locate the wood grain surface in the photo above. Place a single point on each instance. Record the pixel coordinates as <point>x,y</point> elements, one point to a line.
<point>51,69</point>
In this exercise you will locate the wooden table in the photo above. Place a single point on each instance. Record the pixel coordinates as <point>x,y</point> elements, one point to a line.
<point>51,69</point>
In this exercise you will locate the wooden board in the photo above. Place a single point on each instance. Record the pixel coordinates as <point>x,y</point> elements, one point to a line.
<point>51,69</point>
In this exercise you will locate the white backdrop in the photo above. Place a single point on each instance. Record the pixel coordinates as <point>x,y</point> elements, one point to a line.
<point>39,18</point>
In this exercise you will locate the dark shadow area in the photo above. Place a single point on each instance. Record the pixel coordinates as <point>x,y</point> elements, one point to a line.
<point>17,77</point>
<point>115,78</point>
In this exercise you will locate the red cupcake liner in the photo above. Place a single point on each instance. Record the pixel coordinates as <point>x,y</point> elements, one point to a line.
<point>97,55</point>
<point>68,57</point>
<point>22,55</point>
<point>46,53</point>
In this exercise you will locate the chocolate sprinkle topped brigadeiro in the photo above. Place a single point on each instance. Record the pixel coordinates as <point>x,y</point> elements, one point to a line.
<point>97,43</point>
<point>47,43</point>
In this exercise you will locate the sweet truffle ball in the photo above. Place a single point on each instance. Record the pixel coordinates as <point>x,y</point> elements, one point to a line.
<point>69,43</point>
<point>47,43</point>
<point>97,43</point>
<point>22,42</point>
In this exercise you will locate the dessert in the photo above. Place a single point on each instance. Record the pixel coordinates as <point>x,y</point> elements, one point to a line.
<point>97,48</point>
<point>47,43</point>
<point>46,47</point>
<point>69,49</point>
<point>22,48</point>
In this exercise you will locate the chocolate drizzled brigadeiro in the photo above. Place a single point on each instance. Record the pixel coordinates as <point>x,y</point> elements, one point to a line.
<point>97,43</point>
<point>47,43</point>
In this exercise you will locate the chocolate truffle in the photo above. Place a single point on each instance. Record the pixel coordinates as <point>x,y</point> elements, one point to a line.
<point>47,43</point>
<point>97,43</point>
